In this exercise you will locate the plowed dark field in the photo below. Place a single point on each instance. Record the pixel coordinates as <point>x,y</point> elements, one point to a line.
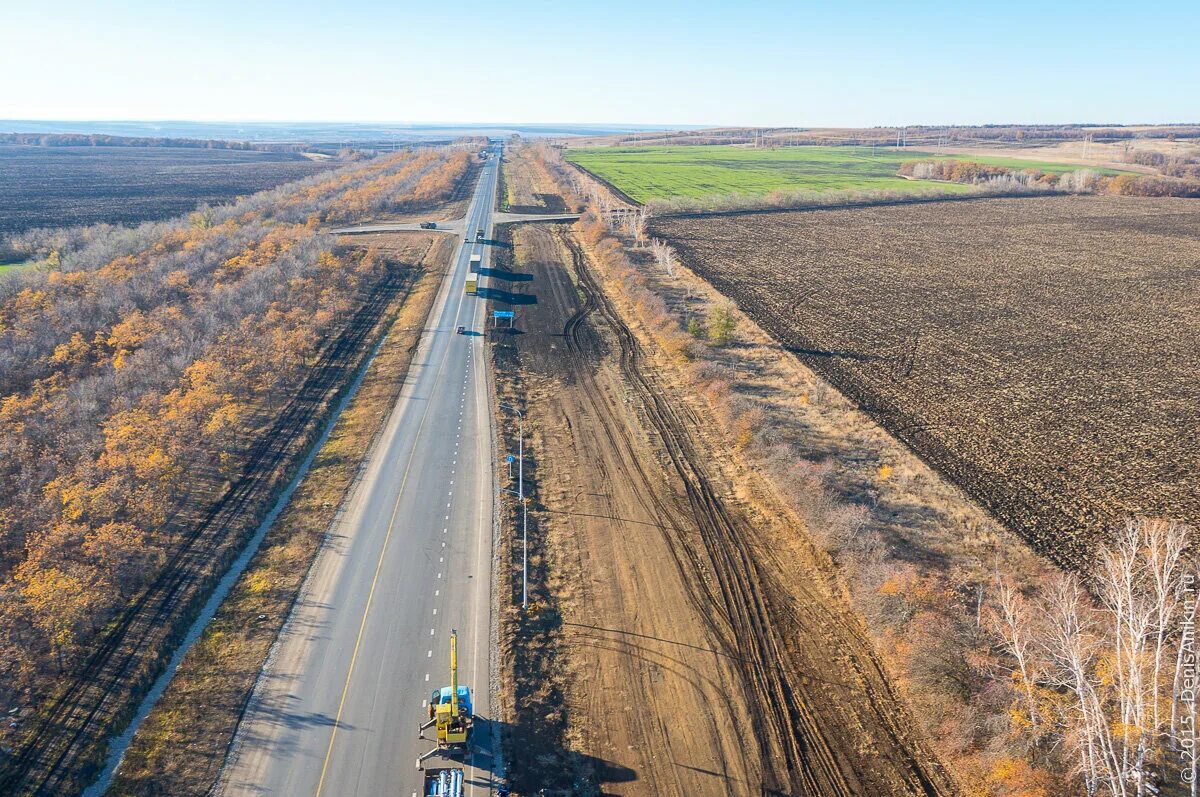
<point>1042,353</point>
<point>65,186</point>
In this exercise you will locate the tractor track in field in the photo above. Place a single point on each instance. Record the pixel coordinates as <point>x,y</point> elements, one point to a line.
<point>752,615</point>
<point>1057,410</point>
<point>59,753</point>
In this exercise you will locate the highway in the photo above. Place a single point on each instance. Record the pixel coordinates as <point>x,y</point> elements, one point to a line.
<point>336,710</point>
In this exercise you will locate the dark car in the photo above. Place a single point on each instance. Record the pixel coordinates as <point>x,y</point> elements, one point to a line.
<point>462,330</point>
<point>429,225</point>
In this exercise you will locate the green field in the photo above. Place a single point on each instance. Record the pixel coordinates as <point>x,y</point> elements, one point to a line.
<point>9,266</point>
<point>646,173</point>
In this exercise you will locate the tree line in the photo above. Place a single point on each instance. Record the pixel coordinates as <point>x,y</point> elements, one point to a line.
<point>137,366</point>
<point>997,133</point>
<point>104,140</point>
<point>1184,181</point>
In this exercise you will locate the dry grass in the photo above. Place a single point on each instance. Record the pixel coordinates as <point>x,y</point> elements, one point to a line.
<point>913,554</point>
<point>182,744</point>
<point>1094,153</point>
<point>528,185</point>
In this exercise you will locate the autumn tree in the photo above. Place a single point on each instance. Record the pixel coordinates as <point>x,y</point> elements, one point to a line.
<point>1113,657</point>
<point>138,369</point>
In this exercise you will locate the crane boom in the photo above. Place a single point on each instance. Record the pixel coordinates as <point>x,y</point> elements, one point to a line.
<point>454,672</point>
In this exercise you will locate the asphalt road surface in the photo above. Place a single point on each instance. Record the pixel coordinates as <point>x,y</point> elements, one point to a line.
<point>336,711</point>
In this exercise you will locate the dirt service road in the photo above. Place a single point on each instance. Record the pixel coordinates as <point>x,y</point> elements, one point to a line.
<point>695,659</point>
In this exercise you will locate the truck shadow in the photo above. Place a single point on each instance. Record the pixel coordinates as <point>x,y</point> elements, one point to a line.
<point>504,274</point>
<point>501,296</point>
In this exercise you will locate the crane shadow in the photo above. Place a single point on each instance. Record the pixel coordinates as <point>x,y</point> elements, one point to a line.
<point>524,767</point>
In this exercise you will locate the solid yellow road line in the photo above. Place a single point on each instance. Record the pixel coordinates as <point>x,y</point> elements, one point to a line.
<point>383,551</point>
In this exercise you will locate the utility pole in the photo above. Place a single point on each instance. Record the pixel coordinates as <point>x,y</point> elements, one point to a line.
<point>524,505</point>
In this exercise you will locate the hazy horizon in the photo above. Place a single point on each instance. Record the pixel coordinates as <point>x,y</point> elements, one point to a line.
<point>399,130</point>
<point>308,130</point>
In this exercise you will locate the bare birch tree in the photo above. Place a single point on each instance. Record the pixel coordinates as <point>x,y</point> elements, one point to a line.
<point>637,225</point>
<point>1015,627</point>
<point>1108,652</point>
<point>664,255</point>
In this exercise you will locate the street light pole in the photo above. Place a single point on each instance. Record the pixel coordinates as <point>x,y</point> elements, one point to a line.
<point>524,505</point>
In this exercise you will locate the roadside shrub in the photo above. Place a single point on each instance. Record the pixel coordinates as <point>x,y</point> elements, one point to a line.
<point>721,325</point>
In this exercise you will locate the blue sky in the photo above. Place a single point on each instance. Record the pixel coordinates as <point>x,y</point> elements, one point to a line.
<point>627,61</point>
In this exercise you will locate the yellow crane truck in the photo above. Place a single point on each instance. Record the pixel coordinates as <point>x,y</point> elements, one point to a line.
<point>450,712</point>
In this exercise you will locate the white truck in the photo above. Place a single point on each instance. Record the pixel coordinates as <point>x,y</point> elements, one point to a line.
<point>476,263</point>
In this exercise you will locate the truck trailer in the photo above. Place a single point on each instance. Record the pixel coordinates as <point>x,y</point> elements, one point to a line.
<point>476,263</point>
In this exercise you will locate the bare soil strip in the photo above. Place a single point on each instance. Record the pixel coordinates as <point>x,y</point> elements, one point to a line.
<point>696,655</point>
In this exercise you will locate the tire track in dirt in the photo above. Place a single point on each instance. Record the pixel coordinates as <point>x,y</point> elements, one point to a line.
<point>742,603</point>
<point>585,347</point>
